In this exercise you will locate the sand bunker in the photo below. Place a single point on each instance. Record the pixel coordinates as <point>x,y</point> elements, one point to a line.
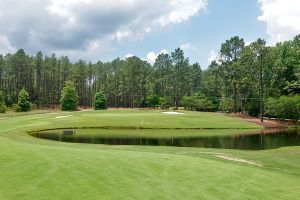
<point>173,113</point>
<point>59,117</point>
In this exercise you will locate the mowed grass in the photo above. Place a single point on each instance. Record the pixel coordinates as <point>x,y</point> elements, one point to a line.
<point>33,168</point>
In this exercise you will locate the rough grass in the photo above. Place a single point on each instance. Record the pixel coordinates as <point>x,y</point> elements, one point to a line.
<point>33,168</point>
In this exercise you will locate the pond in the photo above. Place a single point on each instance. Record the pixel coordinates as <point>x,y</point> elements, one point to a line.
<point>226,138</point>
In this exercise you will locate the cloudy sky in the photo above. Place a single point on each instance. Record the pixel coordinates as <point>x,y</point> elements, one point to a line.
<point>106,29</point>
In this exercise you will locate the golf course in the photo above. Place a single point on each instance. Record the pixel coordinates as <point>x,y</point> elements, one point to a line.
<point>35,168</point>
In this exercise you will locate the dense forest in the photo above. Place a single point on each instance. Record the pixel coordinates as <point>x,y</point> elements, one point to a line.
<point>241,79</point>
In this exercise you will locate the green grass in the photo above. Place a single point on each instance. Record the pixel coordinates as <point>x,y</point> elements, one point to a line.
<point>33,168</point>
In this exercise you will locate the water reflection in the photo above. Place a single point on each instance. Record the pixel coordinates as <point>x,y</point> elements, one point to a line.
<point>254,141</point>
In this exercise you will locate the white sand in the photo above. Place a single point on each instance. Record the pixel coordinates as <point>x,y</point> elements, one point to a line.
<point>173,113</point>
<point>59,117</point>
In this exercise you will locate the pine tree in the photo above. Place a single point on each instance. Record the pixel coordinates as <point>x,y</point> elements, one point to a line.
<point>100,101</point>
<point>23,101</point>
<point>69,97</point>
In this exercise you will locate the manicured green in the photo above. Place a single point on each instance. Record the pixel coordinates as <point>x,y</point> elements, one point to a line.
<point>33,168</point>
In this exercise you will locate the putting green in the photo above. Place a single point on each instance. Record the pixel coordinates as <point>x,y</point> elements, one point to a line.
<point>33,168</point>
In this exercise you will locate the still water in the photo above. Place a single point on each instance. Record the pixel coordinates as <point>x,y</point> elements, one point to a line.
<point>260,140</point>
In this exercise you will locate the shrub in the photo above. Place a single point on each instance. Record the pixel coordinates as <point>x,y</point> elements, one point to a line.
<point>187,103</point>
<point>197,102</point>
<point>164,102</point>
<point>23,101</point>
<point>289,108</point>
<point>2,108</point>
<point>8,100</point>
<point>226,105</point>
<point>100,101</point>
<point>204,104</point>
<point>271,107</point>
<point>69,97</point>
<point>153,100</point>
<point>16,108</point>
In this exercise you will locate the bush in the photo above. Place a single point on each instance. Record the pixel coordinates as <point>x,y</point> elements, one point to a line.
<point>164,103</point>
<point>100,101</point>
<point>286,107</point>
<point>69,97</point>
<point>9,101</point>
<point>226,105</point>
<point>271,107</point>
<point>16,108</point>
<point>197,102</point>
<point>2,108</point>
<point>23,101</point>
<point>187,102</point>
<point>289,108</point>
<point>153,100</point>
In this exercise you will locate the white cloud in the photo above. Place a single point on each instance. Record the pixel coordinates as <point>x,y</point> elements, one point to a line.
<point>282,18</point>
<point>151,56</point>
<point>247,43</point>
<point>129,55</point>
<point>82,26</point>
<point>213,56</point>
<point>188,46</point>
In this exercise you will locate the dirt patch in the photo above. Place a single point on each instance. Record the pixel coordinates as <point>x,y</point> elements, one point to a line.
<point>268,123</point>
<point>235,159</point>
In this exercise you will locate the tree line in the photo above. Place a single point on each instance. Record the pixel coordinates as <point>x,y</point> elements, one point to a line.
<point>245,77</point>
<point>241,79</point>
<point>125,83</point>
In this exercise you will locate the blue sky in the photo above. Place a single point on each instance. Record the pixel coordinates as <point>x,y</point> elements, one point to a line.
<point>103,30</point>
<point>205,32</point>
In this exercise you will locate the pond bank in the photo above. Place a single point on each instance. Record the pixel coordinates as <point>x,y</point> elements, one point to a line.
<point>268,123</point>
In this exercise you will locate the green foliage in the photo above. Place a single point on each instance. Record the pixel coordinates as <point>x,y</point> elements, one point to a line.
<point>271,107</point>
<point>153,100</point>
<point>226,105</point>
<point>69,97</point>
<point>286,107</point>
<point>8,100</point>
<point>100,101</point>
<point>187,102</point>
<point>241,72</point>
<point>253,107</point>
<point>164,102</point>
<point>2,108</point>
<point>289,108</point>
<point>23,102</point>
<point>197,102</point>
<point>2,104</point>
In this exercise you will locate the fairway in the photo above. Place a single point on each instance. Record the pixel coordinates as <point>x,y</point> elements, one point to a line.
<point>33,168</point>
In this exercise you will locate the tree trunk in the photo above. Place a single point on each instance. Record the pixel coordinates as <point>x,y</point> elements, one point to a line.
<point>261,94</point>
